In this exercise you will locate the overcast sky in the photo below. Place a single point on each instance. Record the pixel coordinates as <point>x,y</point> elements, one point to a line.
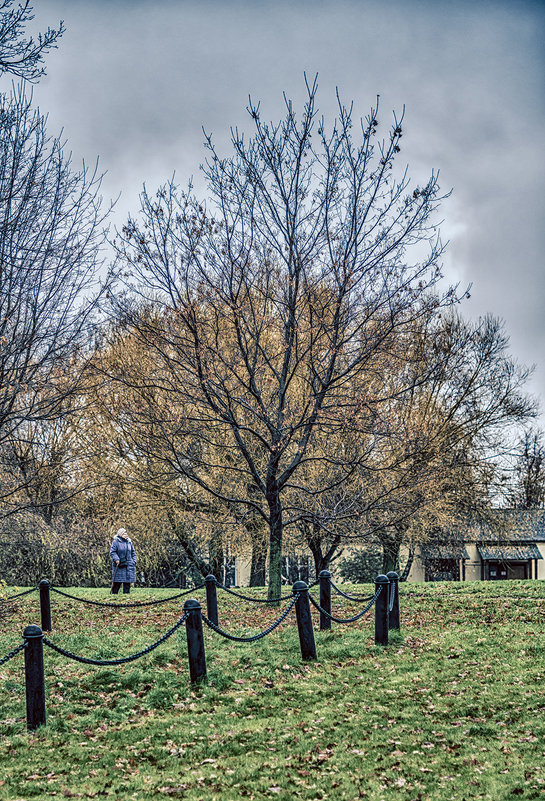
<point>133,83</point>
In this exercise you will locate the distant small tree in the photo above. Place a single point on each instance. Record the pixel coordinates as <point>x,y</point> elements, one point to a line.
<point>40,461</point>
<point>19,56</point>
<point>458,423</point>
<point>528,491</point>
<point>455,405</point>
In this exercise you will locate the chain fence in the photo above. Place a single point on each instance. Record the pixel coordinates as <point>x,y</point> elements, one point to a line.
<point>254,637</point>
<point>13,653</point>
<point>350,597</point>
<point>293,598</point>
<point>254,600</point>
<point>348,619</point>
<point>122,660</point>
<point>19,595</point>
<point>113,605</point>
<point>34,639</point>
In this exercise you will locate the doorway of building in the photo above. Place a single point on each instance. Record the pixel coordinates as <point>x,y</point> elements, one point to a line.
<point>507,570</point>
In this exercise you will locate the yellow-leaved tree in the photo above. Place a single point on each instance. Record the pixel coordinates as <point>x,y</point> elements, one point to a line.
<point>274,297</point>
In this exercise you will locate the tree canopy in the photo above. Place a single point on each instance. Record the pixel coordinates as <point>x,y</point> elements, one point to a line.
<point>308,261</point>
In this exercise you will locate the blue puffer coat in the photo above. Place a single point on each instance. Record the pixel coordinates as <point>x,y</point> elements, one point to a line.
<point>123,549</point>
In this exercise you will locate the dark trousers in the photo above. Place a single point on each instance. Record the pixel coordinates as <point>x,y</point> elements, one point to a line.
<point>117,584</point>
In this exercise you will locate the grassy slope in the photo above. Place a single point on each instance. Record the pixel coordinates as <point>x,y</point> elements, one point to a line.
<point>452,711</point>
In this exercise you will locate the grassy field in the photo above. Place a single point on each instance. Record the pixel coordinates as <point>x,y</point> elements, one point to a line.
<point>454,709</point>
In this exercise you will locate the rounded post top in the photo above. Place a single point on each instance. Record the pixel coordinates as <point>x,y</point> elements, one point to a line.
<point>32,631</point>
<point>44,583</point>
<point>300,586</point>
<point>382,579</point>
<point>191,604</point>
<point>324,574</point>
<point>392,575</point>
<point>211,578</point>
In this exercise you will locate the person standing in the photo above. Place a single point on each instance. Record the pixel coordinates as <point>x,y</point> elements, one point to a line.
<point>123,562</point>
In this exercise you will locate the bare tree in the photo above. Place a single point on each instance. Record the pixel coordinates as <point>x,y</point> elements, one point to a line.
<point>41,459</point>
<point>50,236</point>
<point>275,299</point>
<point>528,491</point>
<point>22,57</point>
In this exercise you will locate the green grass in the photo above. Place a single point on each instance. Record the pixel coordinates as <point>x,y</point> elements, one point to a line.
<point>453,709</point>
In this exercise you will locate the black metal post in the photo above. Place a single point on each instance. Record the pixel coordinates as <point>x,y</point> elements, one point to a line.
<point>45,605</point>
<point>325,599</point>
<point>34,677</point>
<point>382,582</point>
<point>393,608</point>
<point>211,599</point>
<point>195,641</point>
<point>304,621</point>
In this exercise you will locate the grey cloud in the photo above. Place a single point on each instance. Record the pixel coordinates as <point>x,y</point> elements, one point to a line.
<point>134,82</point>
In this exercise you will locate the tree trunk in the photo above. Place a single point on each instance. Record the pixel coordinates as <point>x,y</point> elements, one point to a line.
<point>391,544</point>
<point>275,546</point>
<point>48,513</point>
<point>390,556</point>
<point>259,559</point>
<point>407,569</point>
<point>216,555</point>
<point>201,564</point>
<point>314,541</point>
<point>256,530</point>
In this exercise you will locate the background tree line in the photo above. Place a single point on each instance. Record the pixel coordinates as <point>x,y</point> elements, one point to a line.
<point>278,367</point>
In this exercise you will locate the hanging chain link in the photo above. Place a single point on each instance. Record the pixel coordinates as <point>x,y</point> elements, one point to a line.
<point>121,660</point>
<point>351,597</point>
<point>19,595</point>
<point>392,597</point>
<point>348,619</point>
<point>254,600</point>
<point>255,637</point>
<point>111,605</point>
<point>13,653</point>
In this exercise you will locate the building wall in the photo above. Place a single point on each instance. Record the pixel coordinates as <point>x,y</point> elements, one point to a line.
<point>473,564</point>
<point>417,572</point>
<point>541,562</point>
<point>243,568</point>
